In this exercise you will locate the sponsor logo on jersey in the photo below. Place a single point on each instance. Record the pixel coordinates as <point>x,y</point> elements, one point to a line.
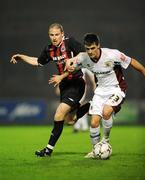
<point>103,72</point>
<point>122,57</point>
<point>62,57</point>
<point>109,63</point>
<point>71,99</point>
<point>63,49</point>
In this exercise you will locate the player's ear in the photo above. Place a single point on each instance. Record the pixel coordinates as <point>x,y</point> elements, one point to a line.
<point>98,45</point>
<point>62,34</point>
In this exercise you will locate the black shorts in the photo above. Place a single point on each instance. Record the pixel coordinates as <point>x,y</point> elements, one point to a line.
<point>71,91</point>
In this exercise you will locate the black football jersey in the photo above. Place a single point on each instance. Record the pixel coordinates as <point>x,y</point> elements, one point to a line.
<point>68,48</point>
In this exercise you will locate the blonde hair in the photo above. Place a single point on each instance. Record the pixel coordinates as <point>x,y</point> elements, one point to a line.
<point>57,25</point>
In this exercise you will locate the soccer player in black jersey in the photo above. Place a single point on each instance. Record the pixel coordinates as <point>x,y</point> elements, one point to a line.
<point>71,87</point>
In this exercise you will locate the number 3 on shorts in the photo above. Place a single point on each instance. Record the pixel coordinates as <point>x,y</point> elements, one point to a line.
<point>114,100</point>
<point>114,97</point>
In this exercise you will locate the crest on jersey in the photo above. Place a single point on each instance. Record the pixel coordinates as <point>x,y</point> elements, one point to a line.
<point>109,63</point>
<point>63,49</point>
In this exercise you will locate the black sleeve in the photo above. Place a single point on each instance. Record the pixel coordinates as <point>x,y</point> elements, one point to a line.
<point>76,46</point>
<point>44,57</point>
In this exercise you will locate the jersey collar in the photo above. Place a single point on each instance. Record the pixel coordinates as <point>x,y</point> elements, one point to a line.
<point>97,59</point>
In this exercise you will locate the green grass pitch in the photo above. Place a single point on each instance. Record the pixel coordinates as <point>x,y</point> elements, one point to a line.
<point>18,144</point>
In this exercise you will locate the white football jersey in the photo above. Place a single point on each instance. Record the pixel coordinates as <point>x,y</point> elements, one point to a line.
<point>104,69</point>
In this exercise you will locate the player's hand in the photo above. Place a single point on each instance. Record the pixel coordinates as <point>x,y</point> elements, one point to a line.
<point>55,79</point>
<point>15,58</point>
<point>70,65</point>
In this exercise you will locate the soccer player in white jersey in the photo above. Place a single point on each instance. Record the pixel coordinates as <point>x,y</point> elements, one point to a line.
<point>107,65</point>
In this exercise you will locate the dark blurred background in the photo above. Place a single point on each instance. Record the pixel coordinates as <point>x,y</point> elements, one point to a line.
<point>23,29</point>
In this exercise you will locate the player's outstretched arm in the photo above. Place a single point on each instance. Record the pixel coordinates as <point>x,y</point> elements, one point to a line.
<point>138,66</point>
<point>27,59</point>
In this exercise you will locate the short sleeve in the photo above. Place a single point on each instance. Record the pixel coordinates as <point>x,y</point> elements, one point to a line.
<point>44,57</point>
<point>80,59</point>
<point>123,59</point>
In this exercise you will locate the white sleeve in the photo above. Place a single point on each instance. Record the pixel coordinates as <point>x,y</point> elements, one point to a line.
<point>80,59</point>
<point>88,72</point>
<point>123,59</point>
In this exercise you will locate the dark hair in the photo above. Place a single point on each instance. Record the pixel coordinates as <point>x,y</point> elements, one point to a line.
<point>91,38</point>
<point>57,25</point>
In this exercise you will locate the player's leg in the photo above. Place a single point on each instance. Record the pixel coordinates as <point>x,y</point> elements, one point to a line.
<point>95,111</point>
<point>82,110</point>
<point>70,94</point>
<point>81,124</point>
<point>74,95</point>
<point>94,133</point>
<point>84,123</point>
<point>70,119</point>
<point>77,126</point>
<point>95,129</point>
<point>112,105</point>
<point>61,111</point>
<point>107,122</point>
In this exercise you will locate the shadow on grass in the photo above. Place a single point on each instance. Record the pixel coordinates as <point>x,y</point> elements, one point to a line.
<point>68,153</point>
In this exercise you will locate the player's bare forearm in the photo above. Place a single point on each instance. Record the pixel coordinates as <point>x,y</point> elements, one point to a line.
<point>56,79</point>
<point>138,66</point>
<point>64,75</point>
<point>25,58</point>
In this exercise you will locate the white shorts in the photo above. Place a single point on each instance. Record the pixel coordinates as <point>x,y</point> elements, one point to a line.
<point>112,96</point>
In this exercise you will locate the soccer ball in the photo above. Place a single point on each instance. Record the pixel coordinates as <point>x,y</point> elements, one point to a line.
<point>102,150</point>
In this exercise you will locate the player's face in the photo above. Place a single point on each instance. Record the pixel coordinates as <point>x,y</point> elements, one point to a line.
<point>93,51</point>
<point>55,36</point>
